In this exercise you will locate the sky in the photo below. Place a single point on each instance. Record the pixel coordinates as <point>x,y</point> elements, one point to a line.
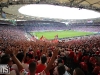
<point>57,12</point>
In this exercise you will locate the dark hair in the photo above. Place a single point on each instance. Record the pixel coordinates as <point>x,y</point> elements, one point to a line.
<point>61,69</point>
<point>43,59</point>
<point>32,66</point>
<point>60,60</point>
<point>50,54</point>
<point>29,55</point>
<point>79,71</point>
<point>5,60</point>
<point>36,57</point>
<point>20,56</point>
<point>6,55</point>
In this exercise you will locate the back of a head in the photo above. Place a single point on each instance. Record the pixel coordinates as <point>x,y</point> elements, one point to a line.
<point>61,69</point>
<point>20,56</point>
<point>6,55</point>
<point>78,71</point>
<point>29,55</point>
<point>5,59</point>
<point>32,67</point>
<point>60,61</point>
<point>50,54</point>
<point>43,59</point>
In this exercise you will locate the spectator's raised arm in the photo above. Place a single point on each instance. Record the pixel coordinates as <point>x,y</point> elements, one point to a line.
<point>52,60</point>
<point>11,52</point>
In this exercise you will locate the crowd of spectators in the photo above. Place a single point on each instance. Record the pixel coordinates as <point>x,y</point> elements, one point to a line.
<point>79,56</point>
<point>8,32</point>
<point>42,25</point>
<point>52,26</point>
<point>88,27</point>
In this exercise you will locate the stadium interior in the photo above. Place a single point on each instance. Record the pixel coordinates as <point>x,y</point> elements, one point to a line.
<point>50,37</point>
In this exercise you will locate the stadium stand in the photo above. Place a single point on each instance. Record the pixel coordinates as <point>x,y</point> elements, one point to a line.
<point>77,56</point>
<point>43,25</point>
<point>51,26</point>
<point>90,27</point>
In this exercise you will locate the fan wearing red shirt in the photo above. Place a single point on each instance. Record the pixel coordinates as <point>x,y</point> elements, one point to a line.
<point>93,60</point>
<point>71,54</point>
<point>38,54</point>
<point>29,58</point>
<point>42,65</point>
<point>96,69</point>
<point>76,59</point>
<point>79,55</point>
<point>85,58</point>
<point>84,66</point>
<point>97,52</point>
<point>32,65</point>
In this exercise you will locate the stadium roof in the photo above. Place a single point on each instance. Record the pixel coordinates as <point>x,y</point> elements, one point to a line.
<point>10,7</point>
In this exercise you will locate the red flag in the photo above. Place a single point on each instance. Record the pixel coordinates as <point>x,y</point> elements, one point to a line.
<point>42,38</point>
<point>56,37</point>
<point>55,41</point>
